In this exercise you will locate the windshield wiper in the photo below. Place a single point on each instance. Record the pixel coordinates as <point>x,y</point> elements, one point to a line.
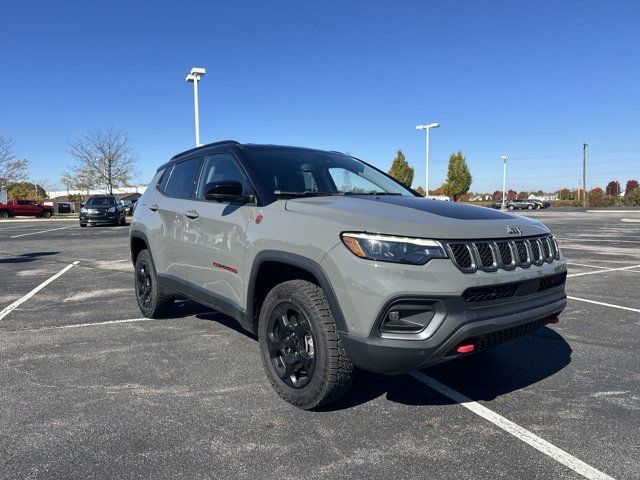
<point>306,193</point>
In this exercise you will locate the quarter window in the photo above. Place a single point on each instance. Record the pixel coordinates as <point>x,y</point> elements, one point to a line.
<point>183,178</point>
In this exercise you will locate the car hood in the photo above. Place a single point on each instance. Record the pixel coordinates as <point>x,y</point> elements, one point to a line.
<point>414,216</point>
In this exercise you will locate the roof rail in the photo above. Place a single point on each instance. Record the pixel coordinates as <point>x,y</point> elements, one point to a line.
<point>222,142</point>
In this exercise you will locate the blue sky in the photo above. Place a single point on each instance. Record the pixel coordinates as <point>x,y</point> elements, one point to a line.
<point>531,79</point>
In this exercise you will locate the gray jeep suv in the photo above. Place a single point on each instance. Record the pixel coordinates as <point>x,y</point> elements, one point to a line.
<point>334,264</point>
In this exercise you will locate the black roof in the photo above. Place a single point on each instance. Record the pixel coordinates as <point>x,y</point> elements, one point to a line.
<point>248,146</point>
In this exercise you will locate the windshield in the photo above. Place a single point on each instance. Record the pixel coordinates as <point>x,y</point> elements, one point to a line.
<point>101,201</point>
<point>298,171</point>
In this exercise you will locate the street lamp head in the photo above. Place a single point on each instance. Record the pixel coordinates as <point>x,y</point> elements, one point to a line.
<point>198,71</point>
<point>195,74</point>
<point>426,127</point>
<point>505,157</point>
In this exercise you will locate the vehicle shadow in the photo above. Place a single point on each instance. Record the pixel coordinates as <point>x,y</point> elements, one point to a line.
<point>484,376</point>
<point>27,257</point>
<point>506,368</point>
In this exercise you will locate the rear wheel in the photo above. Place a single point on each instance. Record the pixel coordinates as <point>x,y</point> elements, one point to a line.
<point>83,224</point>
<point>529,207</point>
<point>511,207</point>
<point>152,301</point>
<point>300,346</point>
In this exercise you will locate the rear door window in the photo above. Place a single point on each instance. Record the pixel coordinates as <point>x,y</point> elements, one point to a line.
<point>183,178</point>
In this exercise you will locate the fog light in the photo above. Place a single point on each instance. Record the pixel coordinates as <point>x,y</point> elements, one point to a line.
<point>407,317</point>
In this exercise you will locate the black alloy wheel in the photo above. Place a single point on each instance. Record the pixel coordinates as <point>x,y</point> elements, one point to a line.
<point>291,345</point>
<point>143,284</point>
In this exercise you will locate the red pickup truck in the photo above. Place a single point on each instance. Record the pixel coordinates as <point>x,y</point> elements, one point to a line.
<point>29,208</point>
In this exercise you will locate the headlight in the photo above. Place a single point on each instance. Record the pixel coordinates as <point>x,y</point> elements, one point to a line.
<point>386,248</point>
<point>111,210</point>
<point>83,210</point>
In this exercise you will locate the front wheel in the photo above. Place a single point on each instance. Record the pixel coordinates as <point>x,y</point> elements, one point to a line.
<point>4,214</point>
<point>300,346</point>
<point>152,301</point>
<point>83,225</point>
<point>46,214</point>
<point>529,207</point>
<point>511,207</point>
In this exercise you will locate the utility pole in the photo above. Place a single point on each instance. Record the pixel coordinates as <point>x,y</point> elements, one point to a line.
<point>584,174</point>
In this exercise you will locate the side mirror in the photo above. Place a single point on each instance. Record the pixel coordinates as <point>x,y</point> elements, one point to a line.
<point>226,192</point>
<point>82,204</point>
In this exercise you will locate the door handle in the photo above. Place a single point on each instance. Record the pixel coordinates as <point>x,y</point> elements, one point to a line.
<point>154,207</point>
<point>192,214</point>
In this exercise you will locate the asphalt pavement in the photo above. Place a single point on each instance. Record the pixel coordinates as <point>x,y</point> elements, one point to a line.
<point>90,389</point>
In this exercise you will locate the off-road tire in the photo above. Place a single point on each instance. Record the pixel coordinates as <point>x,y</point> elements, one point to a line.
<point>333,370</point>
<point>159,301</point>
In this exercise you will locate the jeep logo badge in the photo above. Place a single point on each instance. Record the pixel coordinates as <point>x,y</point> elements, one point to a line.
<point>514,230</point>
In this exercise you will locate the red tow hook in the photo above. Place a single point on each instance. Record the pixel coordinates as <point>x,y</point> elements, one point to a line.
<point>550,320</point>
<point>465,348</point>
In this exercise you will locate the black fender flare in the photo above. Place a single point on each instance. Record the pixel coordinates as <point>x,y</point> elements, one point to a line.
<point>303,263</point>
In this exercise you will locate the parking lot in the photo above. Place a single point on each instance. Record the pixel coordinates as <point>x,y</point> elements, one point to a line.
<point>92,390</point>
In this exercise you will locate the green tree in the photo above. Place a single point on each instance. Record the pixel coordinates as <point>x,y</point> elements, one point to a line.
<point>26,190</point>
<point>458,177</point>
<point>420,190</point>
<point>401,170</point>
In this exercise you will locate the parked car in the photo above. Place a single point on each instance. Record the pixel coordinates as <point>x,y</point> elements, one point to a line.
<point>27,208</point>
<point>540,203</point>
<point>102,209</point>
<point>128,207</point>
<point>332,275</point>
<point>516,204</point>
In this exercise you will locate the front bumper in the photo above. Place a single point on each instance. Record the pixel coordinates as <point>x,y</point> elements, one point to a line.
<point>364,290</point>
<point>484,327</point>
<point>98,219</point>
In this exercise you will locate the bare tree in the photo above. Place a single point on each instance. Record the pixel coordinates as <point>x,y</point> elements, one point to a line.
<point>103,158</point>
<point>12,168</point>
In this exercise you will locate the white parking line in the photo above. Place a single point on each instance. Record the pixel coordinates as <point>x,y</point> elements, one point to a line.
<point>637,310</point>
<point>604,270</point>
<point>7,310</point>
<point>35,233</point>
<point>514,429</point>
<point>600,240</point>
<point>585,265</point>
<point>93,324</point>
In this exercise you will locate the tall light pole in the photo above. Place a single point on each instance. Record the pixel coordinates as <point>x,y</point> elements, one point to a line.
<point>194,76</point>
<point>584,174</point>
<point>426,128</point>
<point>504,179</point>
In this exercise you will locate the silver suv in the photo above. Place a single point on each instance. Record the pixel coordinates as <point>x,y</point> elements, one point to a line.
<point>334,264</point>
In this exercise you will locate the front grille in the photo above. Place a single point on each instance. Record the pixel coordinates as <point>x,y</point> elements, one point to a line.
<point>486,294</point>
<point>523,253</point>
<point>462,255</point>
<point>485,254</point>
<point>505,255</point>
<point>489,255</point>
<point>552,281</point>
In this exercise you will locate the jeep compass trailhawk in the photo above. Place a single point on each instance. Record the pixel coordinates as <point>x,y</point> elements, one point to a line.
<point>334,264</point>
